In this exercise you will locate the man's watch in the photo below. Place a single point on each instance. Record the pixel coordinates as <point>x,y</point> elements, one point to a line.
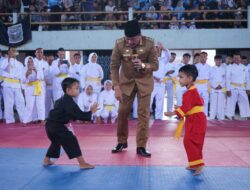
<point>143,66</point>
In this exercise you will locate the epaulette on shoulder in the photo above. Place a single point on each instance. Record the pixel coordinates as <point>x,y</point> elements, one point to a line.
<point>150,39</point>
<point>120,40</point>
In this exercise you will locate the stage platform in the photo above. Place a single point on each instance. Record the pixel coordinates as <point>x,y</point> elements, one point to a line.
<point>226,153</point>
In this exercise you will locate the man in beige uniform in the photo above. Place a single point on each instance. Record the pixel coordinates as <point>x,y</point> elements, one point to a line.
<point>133,61</point>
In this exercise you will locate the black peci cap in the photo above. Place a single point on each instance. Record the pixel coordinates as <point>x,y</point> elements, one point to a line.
<point>132,28</point>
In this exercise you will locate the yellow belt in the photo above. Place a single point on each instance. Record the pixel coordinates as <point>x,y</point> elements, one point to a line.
<point>195,109</point>
<point>196,162</point>
<point>109,107</point>
<point>94,79</point>
<point>38,87</point>
<point>12,80</point>
<point>238,85</point>
<point>62,75</point>
<point>205,81</point>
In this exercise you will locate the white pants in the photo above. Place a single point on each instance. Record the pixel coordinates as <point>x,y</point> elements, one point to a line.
<point>37,104</point>
<point>179,93</point>
<point>49,103</point>
<point>158,93</point>
<point>204,94</point>
<point>13,96</point>
<point>106,113</point>
<point>135,108</point>
<point>170,95</point>
<point>217,105</point>
<point>1,97</point>
<point>57,93</point>
<point>241,97</point>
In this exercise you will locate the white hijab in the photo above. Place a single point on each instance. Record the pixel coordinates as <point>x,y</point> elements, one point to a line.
<point>90,57</point>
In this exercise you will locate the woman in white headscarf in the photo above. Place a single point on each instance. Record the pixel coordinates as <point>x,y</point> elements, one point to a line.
<point>92,74</point>
<point>34,92</point>
<point>108,103</point>
<point>86,99</point>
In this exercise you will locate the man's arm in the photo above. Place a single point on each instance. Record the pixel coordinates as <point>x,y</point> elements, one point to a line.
<point>115,65</point>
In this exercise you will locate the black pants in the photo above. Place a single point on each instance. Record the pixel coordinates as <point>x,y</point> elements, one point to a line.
<point>61,136</point>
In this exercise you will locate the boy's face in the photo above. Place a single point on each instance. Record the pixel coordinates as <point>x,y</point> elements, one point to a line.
<point>218,62</point>
<point>89,90</point>
<point>184,79</point>
<point>73,90</point>
<point>186,59</point>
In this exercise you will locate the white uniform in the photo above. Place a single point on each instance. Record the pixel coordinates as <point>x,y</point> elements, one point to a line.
<point>180,90</point>
<point>75,70</point>
<point>59,74</point>
<point>1,89</point>
<point>92,74</point>
<point>202,83</point>
<point>170,80</point>
<point>49,101</point>
<point>217,97</point>
<point>34,102</point>
<point>237,81</point>
<point>159,85</point>
<point>108,105</point>
<point>12,72</point>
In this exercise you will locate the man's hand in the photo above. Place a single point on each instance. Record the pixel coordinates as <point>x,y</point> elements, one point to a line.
<point>229,93</point>
<point>169,114</point>
<point>118,93</point>
<point>248,92</point>
<point>138,65</point>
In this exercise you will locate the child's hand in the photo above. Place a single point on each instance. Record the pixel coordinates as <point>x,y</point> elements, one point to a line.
<point>94,108</point>
<point>176,107</point>
<point>169,114</point>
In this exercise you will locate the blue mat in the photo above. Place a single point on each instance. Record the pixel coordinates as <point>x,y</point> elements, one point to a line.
<point>21,169</point>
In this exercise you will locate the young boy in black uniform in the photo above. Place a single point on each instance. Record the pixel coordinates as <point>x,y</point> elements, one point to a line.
<point>64,111</point>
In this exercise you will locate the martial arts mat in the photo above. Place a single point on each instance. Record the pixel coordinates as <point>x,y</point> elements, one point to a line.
<point>226,153</point>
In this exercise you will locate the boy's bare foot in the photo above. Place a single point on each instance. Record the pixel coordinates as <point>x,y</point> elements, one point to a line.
<point>47,162</point>
<point>198,170</point>
<point>86,166</point>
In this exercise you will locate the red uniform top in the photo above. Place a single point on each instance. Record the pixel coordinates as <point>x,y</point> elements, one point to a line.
<point>197,122</point>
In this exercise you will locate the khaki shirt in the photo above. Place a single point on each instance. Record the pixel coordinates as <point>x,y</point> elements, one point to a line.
<point>122,68</point>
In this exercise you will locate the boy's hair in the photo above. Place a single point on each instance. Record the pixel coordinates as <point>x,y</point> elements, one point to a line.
<point>243,57</point>
<point>173,53</point>
<point>196,55</point>
<point>217,57</point>
<point>190,70</point>
<point>186,55</point>
<point>60,49</point>
<point>203,52</point>
<point>68,82</point>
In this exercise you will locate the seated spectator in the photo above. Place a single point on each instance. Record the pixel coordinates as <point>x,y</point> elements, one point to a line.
<point>174,25</point>
<point>108,103</point>
<point>151,15</point>
<point>109,7</point>
<point>179,7</point>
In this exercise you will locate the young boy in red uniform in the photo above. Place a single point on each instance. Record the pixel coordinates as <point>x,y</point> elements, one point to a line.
<point>195,119</point>
<point>64,111</point>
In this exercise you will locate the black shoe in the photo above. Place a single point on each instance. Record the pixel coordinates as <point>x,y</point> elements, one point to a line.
<point>143,152</point>
<point>119,147</point>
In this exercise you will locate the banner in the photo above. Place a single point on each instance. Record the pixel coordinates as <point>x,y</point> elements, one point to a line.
<point>16,34</point>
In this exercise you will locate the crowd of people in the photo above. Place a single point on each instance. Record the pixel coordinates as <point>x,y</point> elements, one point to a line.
<point>34,86</point>
<point>177,20</point>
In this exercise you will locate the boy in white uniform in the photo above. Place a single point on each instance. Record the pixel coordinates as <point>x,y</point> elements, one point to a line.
<point>170,80</point>
<point>12,72</point>
<point>218,89</point>
<point>202,81</point>
<point>179,89</point>
<point>108,103</point>
<point>48,77</point>
<point>76,67</point>
<point>159,86</point>
<point>34,92</point>
<point>238,86</point>
<point>60,71</point>
<point>1,89</point>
